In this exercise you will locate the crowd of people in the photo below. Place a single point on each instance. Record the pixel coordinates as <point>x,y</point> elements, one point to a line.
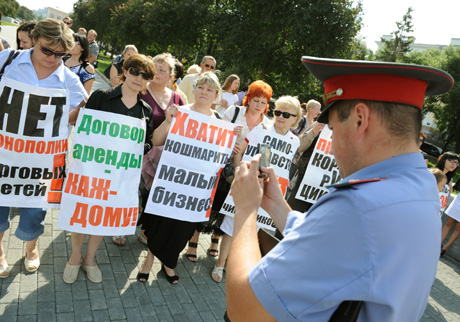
<point>152,89</point>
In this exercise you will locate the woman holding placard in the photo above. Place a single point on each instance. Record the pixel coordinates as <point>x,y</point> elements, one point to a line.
<point>167,237</point>
<point>39,67</point>
<point>287,116</point>
<point>251,114</point>
<point>124,99</point>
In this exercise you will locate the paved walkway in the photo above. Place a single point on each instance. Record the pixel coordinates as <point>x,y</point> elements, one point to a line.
<point>43,296</point>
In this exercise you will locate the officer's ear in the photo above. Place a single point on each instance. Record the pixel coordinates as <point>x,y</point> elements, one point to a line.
<point>361,118</point>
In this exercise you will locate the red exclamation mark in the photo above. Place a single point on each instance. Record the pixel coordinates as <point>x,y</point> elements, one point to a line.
<point>135,216</point>
<point>55,193</point>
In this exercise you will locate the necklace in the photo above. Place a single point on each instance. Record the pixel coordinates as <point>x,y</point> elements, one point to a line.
<point>160,101</point>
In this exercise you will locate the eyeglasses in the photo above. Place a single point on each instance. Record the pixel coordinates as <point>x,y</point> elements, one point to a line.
<point>161,71</point>
<point>76,43</point>
<point>286,115</point>
<point>136,72</point>
<point>453,161</point>
<point>210,66</point>
<point>49,52</point>
<point>67,22</point>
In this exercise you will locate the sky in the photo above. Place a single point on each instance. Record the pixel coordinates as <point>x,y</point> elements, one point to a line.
<point>63,5</point>
<point>435,22</point>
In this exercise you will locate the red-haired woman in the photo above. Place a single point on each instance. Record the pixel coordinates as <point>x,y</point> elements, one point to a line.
<point>251,114</point>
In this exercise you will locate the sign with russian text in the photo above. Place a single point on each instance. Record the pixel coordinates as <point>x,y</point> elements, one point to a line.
<point>444,198</point>
<point>33,144</point>
<point>100,195</point>
<point>194,153</point>
<point>283,149</point>
<point>321,171</point>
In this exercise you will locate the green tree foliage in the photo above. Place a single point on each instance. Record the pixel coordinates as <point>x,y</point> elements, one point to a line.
<point>446,107</point>
<point>9,8</point>
<point>261,39</point>
<point>396,49</point>
<point>26,14</point>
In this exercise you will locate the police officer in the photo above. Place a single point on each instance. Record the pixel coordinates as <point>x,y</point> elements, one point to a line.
<point>354,243</point>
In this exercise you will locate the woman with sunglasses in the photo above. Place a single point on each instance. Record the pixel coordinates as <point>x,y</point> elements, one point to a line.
<point>41,67</point>
<point>159,97</point>
<point>287,116</point>
<point>78,62</point>
<point>125,99</point>
<point>167,237</point>
<point>448,163</point>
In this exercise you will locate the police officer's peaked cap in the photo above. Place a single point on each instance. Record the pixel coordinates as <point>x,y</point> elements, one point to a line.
<point>376,81</point>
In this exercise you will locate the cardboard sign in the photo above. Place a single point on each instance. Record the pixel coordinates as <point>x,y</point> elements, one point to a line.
<point>283,150</point>
<point>321,171</point>
<point>100,195</point>
<point>33,144</point>
<point>195,151</point>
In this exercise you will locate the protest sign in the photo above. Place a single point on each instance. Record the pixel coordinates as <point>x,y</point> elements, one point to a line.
<point>444,198</point>
<point>195,151</point>
<point>283,149</point>
<point>100,195</point>
<point>321,171</point>
<point>33,144</point>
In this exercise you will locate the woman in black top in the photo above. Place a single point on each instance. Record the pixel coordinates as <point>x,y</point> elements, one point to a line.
<point>124,99</point>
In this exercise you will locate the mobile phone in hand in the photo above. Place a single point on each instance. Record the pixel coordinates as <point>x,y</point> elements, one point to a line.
<point>265,151</point>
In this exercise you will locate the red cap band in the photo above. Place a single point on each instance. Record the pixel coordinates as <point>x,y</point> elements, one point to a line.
<point>377,87</point>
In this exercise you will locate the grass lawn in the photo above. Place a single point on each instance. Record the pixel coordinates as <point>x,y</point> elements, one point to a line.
<point>102,64</point>
<point>6,23</point>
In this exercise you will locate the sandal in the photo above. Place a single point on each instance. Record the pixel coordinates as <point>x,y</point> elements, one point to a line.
<point>142,277</point>
<point>4,271</point>
<point>119,240</point>
<point>211,251</point>
<point>219,272</point>
<point>142,239</point>
<point>171,279</point>
<point>191,257</point>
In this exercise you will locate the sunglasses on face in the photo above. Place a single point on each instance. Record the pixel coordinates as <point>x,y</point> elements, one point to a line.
<point>67,22</point>
<point>210,66</point>
<point>286,115</point>
<point>136,72</point>
<point>48,52</point>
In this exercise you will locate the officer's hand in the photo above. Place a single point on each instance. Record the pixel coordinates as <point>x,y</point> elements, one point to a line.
<point>273,196</point>
<point>247,187</point>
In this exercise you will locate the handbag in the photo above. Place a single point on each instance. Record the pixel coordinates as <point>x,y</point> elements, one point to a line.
<point>228,173</point>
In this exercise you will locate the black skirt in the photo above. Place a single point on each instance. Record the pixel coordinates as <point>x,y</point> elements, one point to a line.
<point>167,237</point>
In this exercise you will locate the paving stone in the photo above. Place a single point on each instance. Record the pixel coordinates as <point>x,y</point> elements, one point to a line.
<point>97,300</point>
<point>64,302</point>
<point>101,316</point>
<point>9,312</point>
<point>82,309</point>
<point>115,308</point>
<point>46,292</point>
<point>46,311</point>
<point>133,314</point>
<point>9,293</point>
<point>27,303</point>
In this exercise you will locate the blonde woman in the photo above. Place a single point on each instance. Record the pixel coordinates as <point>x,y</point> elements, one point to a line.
<point>287,116</point>
<point>167,237</point>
